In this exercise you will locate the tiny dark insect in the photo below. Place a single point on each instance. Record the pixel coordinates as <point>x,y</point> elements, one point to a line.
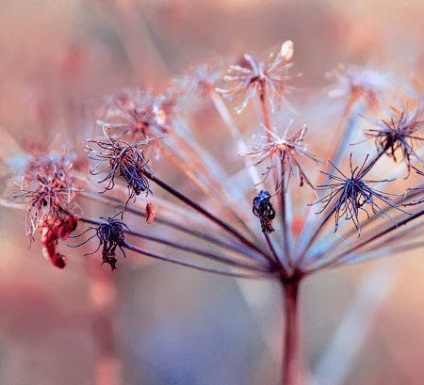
<point>263,209</point>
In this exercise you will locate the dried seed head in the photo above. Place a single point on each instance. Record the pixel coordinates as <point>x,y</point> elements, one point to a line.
<point>46,187</point>
<point>262,208</point>
<point>283,152</point>
<point>270,79</point>
<point>399,134</point>
<point>351,194</point>
<point>127,159</point>
<point>139,114</point>
<point>110,234</point>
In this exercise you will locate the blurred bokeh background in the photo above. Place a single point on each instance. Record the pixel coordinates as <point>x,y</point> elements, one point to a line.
<point>362,325</point>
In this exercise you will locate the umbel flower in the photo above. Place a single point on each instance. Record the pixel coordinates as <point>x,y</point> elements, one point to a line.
<point>213,214</point>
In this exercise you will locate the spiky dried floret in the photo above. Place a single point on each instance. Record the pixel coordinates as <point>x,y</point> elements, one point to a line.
<point>110,234</point>
<point>399,133</point>
<point>351,194</point>
<point>120,156</point>
<point>283,152</point>
<point>252,77</point>
<point>139,114</point>
<point>263,209</point>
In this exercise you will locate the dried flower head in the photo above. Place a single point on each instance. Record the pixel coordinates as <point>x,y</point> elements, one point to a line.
<point>399,133</point>
<point>110,234</point>
<point>351,194</point>
<point>283,152</point>
<point>139,114</point>
<point>270,80</point>
<point>360,83</point>
<point>46,187</point>
<point>263,209</point>
<point>120,156</point>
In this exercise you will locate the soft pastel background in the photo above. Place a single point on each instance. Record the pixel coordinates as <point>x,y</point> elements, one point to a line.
<point>362,325</point>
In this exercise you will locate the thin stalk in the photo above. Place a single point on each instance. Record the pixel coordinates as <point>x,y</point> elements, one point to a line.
<point>291,354</point>
<point>192,169</point>
<point>186,248</point>
<point>351,115</point>
<point>266,114</point>
<point>272,248</point>
<point>193,265</point>
<point>235,132</point>
<point>284,225</point>
<point>208,215</point>
<point>342,256</point>
<point>204,236</point>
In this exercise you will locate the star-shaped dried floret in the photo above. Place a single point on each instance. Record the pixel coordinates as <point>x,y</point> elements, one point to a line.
<point>350,194</point>
<point>399,133</point>
<point>252,77</point>
<point>139,114</point>
<point>283,151</point>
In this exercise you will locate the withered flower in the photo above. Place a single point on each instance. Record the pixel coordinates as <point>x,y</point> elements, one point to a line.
<point>349,195</point>
<point>270,79</point>
<point>399,133</point>
<point>263,209</point>
<point>46,188</point>
<point>110,234</point>
<point>283,152</point>
<point>139,114</point>
<point>120,156</point>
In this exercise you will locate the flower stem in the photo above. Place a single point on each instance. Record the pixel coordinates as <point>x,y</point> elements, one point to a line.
<point>284,222</point>
<point>291,354</point>
<point>265,108</point>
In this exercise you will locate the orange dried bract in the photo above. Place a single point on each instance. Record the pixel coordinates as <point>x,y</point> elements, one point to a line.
<point>51,232</point>
<point>150,212</point>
